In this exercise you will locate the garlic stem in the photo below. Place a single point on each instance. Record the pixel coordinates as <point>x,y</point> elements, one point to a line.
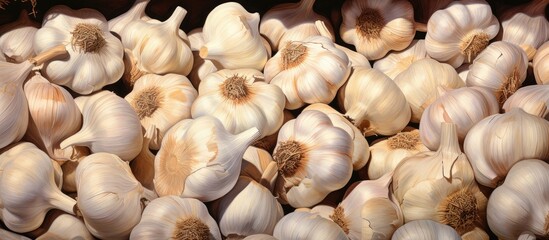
<point>62,202</point>
<point>210,50</point>
<point>420,27</point>
<point>176,19</point>
<point>48,55</point>
<point>305,7</point>
<point>449,147</point>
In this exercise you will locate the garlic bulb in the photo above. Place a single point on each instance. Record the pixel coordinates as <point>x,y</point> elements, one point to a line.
<point>269,142</point>
<point>420,82</point>
<point>501,67</point>
<point>384,110</point>
<point>258,165</point>
<point>541,64</point>
<point>375,27</point>
<point>498,142</point>
<point>54,115</point>
<point>231,37</point>
<point>529,99</point>
<point>313,157</point>
<point>458,33</point>
<point>303,225</point>
<point>143,165</point>
<point>308,71</point>
<point>259,237</point>
<point>136,12</point>
<point>396,62</point>
<point>28,188</point>
<point>94,54</point>
<point>162,101</point>
<point>64,226</point>
<point>361,150</point>
<point>426,230</point>
<point>249,208</point>
<point>355,59</point>
<point>450,107</point>
<point>7,235</point>
<point>110,199</point>
<point>240,102</point>
<point>172,217</point>
<point>386,154</point>
<point>155,47</point>
<point>199,158</point>
<point>289,22</point>
<point>519,205</point>
<point>16,39</point>
<point>109,125</point>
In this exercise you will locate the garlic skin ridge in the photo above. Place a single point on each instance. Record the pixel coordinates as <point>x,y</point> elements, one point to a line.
<point>426,230</point>
<point>529,99</point>
<point>541,64</point>
<point>16,39</point>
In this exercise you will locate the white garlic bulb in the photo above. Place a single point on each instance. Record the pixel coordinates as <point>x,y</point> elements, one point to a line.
<point>64,226</point>
<point>308,71</point>
<point>541,64</point>
<point>16,39</point>
<point>498,142</point>
<point>205,156</point>
<point>420,83</point>
<point>231,37</point>
<point>396,62</point>
<point>258,165</point>
<point>136,12</point>
<point>519,205</point>
<point>458,33</point>
<point>109,125</point>
<point>450,107</point>
<point>313,157</point>
<point>529,99</point>
<point>375,27</point>
<point>172,217</point>
<point>240,101</point>
<point>426,230</point>
<point>143,165</point>
<point>384,110</point>
<point>304,225</point>
<point>94,54</point>
<point>162,101</point>
<point>501,67</point>
<point>109,199</point>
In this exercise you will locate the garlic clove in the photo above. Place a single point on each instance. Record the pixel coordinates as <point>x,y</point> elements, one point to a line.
<point>16,39</point>
<point>426,230</point>
<point>304,225</point>
<point>258,165</point>
<point>532,99</point>
<point>396,62</point>
<point>541,64</point>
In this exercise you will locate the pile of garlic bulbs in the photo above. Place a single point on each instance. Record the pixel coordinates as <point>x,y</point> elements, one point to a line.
<point>358,119</point>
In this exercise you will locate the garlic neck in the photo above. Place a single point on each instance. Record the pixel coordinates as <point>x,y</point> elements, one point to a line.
<point>62,202</point>
<point>305,7</point>
<point>460,211</point>
<point>191,228</point>
<point>293,55</point>
<point>87,38</point>
<point>339,218</point>
<point>147,102</point>
<point>369,23</point>
<point>510,85</point>
<point>473,43</point>
<point>175,20</point>
<point>288,156</point>
<point>449,148</point>
<point>405,140</point>
<point>235,88</point>
<point>48,55</point>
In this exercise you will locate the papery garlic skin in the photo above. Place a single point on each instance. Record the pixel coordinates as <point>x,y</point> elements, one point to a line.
<point>303,225</point>
<point>258,165</point>
<point>143,165</point>
<point>396,62</point>
<point>458,33</point>
<point>162,101</point>
<point>136,12</point>
<point>91,64</point>
<point>313,157</point>
<point>16,39</point>
<point>501,67</point>
<point>308,71</point>
<point>375,27</point>
<point>109,125</point>
<point>260,237</point>
<point>75,155</point>
<point>420,83</point>
<point>66,226</point>
<point>14,110</point>
<point>498,142</point>
<point>529,99</point>
<point>384,110</point>
<point>541,64</point>
<point>426,230</point>
<point>519,205</point>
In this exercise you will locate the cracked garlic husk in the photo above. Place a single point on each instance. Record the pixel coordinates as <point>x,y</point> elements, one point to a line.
<point>199,158</point>
<point>426,230</point>
<point>16,39</point>
<point>109,125</point>
<point>258,165</point>
<point>541,64</point>
<point>396,62</point>
<point>173,217</point>
<point>529,99</point>
<point>162,101</point>
<point>94,54</point>
<point>304,225</point>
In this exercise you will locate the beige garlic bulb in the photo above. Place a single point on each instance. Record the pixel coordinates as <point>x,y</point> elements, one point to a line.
<point>386,154</point>
<point>458,33</point>
<point>375,27</point>
<point>155,47</point>
<point>109,125</point>
<point>258,165</point>
<point>199,158</point>
<point>291,22</point>
<point>304,225</point>
<point>529,99</point>
<point>463,106</point>
<point>420,82</point>
<point>109,199</point>
<point>426,230</point>
<point>16,39</point>
<point>313,157</point>
<point>63,226</point>
<point>28,188</point>
<point>231,37</point>
<point>384,110</point>
<point>361,149</point>
<point>519,206</point>
<point>136,12</point>
<point>173,217</point>
<point>396,62</point>
<point>249,208</point>
<point>498,142</point>
<point>308,71</point>
<point>162,101</point>
<point>54,115</point>
<point>240,101</point>
<point>94,54</point>
<point>541,64</point>
<point>501,67</point>
<point>143,165</point>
